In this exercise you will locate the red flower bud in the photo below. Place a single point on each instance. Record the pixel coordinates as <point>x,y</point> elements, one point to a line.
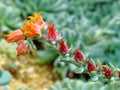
<point>107,72</point>
<point>78,56</point>
<point>119,74</point>
<point>22,47</point>
<point>64,49</point>
<point>52,34</point>
<point>91,66</point>
<point>104,68</point>
<point>15,36</point>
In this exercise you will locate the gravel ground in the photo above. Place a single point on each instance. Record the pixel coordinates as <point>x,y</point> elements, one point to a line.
<point>28,74</point>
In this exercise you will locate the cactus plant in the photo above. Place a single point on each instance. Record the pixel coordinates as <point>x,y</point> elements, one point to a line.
<point>80,85</point>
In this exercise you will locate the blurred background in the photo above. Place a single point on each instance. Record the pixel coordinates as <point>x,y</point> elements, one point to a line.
<point>93,26</point>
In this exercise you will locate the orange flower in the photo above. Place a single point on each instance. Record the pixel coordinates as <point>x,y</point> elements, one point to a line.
<point>38,20</point>
<point>15,36</point>
<point>22,47</point>
<point>31,29</point>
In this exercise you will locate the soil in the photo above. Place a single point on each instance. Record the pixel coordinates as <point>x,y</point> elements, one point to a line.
<point>27,73</point>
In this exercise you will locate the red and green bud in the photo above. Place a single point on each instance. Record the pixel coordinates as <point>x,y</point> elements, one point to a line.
<point>52,34</point>
<point>64,49</point>
<point>108,72</point>
<point>78,56</point>
<point>91,67</point>
<point>119,74</point>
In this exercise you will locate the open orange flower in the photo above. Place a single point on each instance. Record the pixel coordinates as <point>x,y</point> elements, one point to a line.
<point>22,47</point>
<point>38,20</point>
<point>31,29</point>
<point>15,36</point>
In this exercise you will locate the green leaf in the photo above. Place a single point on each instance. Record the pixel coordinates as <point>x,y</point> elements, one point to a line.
<point>45,56</point>
<point>70,62</point>
<point>94,78</point>
<point>12,65</point>
<point>93,73</point>
<point>111,65</point>
<point>5,78</point>
<point>79,70</point>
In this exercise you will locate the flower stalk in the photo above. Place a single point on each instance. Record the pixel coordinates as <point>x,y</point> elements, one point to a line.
<point>37,28</point>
